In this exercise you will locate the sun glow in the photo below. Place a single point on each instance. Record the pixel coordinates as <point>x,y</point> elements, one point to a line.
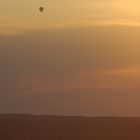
<point>129,8</point>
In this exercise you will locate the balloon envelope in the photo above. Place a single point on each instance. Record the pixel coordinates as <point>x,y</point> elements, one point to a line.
<point>41,9</point>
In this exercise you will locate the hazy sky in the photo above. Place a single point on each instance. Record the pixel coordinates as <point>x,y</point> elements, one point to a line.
<point>78,57</point>
<point>19,14</point>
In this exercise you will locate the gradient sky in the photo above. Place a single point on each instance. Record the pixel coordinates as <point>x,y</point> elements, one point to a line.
<point>78,57</point>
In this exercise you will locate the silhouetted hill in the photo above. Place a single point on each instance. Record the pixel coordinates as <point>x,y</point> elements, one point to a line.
<point>28,127</point>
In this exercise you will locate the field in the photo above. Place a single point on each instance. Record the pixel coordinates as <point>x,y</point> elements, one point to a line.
<point>29,127</point>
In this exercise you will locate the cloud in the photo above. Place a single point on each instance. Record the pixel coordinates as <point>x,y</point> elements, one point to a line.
<point>56,53</point>
<point>98,61</point>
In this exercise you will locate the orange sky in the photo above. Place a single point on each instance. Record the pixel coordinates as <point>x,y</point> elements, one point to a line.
<point>18,15</point>
<point>77,57</point>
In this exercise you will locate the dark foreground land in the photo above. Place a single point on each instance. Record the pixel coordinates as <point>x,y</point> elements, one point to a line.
<point>27,127</point>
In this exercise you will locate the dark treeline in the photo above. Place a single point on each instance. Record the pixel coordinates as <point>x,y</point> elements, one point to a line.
<point>29,127</point>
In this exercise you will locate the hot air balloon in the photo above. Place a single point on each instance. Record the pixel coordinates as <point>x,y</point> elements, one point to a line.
<point>41,9</point>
